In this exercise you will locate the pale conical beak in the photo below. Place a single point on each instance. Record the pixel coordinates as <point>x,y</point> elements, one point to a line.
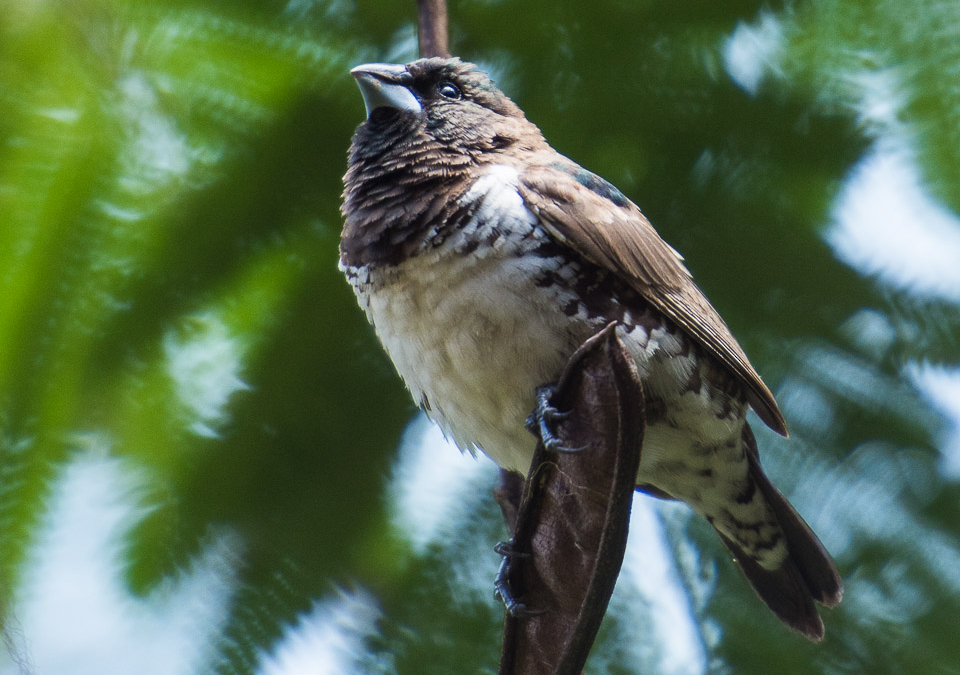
<point>385,85</point>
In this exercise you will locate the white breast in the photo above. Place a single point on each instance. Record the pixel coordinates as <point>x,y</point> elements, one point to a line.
<point>471,335</point>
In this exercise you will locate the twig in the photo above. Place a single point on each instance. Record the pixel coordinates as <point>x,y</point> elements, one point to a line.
<point>432,31</point>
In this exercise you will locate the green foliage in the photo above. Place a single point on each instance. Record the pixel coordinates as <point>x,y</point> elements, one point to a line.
<point>171,315</point>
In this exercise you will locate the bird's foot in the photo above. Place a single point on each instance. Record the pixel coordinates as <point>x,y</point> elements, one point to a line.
<point>501,583</point>
<point>544,418</point>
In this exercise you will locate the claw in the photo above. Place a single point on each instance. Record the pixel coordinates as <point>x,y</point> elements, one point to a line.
<point>501,583</point>
<point>544,418</point>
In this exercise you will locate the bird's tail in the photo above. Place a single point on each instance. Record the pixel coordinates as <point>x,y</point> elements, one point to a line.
<point>807,574</point>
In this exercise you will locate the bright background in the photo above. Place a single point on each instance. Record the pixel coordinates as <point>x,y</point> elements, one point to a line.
<point>207,464</point>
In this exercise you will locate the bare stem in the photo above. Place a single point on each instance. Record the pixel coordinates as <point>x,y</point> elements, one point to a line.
<point>432,29</point>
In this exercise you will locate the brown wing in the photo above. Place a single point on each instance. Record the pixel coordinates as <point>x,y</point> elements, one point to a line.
<point>595,219</point>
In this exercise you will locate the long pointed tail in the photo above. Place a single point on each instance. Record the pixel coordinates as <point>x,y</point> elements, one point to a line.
<point>808,573</point>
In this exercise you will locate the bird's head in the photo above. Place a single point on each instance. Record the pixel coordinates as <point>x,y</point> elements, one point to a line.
<point>447,104</point>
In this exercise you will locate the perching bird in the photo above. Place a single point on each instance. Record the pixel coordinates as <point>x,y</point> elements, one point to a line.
<point>483,258</point>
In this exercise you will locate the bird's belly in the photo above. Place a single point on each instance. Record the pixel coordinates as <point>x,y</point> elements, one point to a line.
<point>472,339</point>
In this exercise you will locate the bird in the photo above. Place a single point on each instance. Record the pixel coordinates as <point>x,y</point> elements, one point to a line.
<point>483,258</point>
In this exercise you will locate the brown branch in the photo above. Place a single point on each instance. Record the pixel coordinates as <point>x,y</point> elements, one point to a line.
<point>508,492</point>
<point>572,522</point>
<point>432,32</point>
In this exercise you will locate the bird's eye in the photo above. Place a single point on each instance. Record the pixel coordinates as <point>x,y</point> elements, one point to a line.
<point>449,90</point>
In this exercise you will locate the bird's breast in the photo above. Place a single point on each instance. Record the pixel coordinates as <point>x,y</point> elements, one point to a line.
<point>470,325</point>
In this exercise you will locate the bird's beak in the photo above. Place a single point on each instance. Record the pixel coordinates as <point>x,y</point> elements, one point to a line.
<point>385,85</point>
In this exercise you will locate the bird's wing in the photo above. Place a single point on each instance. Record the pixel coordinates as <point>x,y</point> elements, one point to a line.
<point>595,219</point>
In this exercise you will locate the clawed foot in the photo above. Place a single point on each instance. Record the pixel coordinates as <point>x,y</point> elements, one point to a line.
<point>544,418</point>
<point>501,584</point>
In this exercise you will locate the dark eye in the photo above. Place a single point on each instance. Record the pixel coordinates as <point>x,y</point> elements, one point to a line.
<point>449,90</point>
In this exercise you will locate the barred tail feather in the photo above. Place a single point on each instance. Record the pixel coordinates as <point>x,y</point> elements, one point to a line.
<point>783,590</point>
<point>808,574</point>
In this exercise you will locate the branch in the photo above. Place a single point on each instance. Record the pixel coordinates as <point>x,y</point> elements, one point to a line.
<point>432,32</point>
<point>572,522</point>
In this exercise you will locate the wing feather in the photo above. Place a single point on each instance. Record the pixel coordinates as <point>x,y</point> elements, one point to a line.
<point>596,220</point>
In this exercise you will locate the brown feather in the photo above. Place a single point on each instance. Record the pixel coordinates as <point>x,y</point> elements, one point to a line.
<point>807,575</point>
<point>596,220</point>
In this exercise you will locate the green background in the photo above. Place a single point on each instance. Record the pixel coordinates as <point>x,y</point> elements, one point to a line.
<point>199,433</point>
